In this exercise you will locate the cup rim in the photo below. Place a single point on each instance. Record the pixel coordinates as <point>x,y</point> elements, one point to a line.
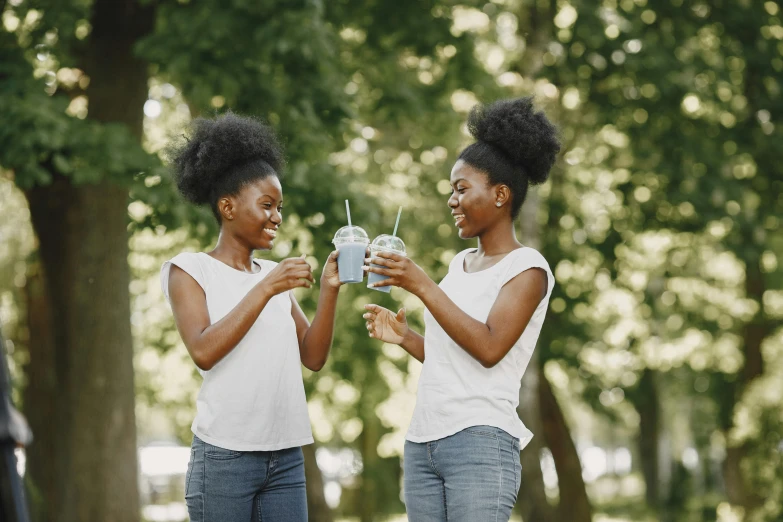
<point>385,249</point>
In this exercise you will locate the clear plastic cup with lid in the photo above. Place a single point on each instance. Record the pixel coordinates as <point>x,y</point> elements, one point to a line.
<point>351,243</point>
<point>384,243</point>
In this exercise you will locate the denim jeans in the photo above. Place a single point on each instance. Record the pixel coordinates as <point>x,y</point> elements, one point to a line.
<point>245,486</point>
<point>471,476</point>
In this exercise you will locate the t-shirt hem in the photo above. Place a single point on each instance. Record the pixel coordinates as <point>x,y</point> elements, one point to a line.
<point>524,439</point>
<point>235,446</point>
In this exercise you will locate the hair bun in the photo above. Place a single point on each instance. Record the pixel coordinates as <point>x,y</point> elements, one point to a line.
<point>215,147</point>
<point>526,137</point>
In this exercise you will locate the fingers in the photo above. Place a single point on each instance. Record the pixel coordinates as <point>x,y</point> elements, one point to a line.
<point>401,315</point>
<point>377,270</point>
<point>374,308</point>
<point>388,255</point>
<point>381,261</point>
<point>295,261</point>
<point>301,274</point>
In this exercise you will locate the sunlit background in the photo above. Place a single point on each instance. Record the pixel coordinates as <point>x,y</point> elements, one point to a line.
<point>657,388</point>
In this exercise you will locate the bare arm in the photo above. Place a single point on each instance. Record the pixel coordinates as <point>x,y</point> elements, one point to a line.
<point>383,324</point>
<point>488,342</point>
<point>208,343</point>
<point>315,340</point>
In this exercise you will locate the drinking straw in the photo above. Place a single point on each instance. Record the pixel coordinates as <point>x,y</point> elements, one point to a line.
<point>398,222</point>
<point>348,211</point>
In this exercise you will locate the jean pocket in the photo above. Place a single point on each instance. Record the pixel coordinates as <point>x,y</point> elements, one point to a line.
<point>189,473</point>
<point>215,453</point>
<point>482,431</point>
<point>517,464</point>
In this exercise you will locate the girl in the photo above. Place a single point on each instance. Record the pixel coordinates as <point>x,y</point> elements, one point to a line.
<point>482,322</point>
<point>244,329</point>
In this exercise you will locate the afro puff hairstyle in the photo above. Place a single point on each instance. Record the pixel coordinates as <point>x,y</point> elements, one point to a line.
<point>221,156</point>
<point>515,146</point>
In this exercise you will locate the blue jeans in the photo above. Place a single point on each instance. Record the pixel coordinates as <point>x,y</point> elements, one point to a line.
<point>471,476</point>
<point>245,486</point>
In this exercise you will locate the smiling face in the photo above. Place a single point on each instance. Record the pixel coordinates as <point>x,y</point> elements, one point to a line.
<point>255,214</point>
<point>473,200</point>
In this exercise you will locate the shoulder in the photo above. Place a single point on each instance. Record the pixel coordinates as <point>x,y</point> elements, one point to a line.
<point>186,257</point>
<point>533,257</point>
<point>456,263</point>
<point>189,262</point>
<point>524,259</point>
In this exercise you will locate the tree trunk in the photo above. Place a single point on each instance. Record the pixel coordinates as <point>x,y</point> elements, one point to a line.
<point>369,498</point>
<point>532,503</point>
<point>80,401</point>
<point>317,508</point>
<point>754,333</point>
<point>82,368</point>
<point>574,504</point>
<point>648,406</point>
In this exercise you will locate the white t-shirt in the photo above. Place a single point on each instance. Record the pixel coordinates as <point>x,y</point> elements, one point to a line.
<point>455,390</point>
<point>253,399</point>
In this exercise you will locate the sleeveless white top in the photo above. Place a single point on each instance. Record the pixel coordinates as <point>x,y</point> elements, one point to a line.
<point>253,399</point>
<point>455,390</point>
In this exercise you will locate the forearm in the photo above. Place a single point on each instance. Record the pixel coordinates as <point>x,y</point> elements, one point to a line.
<point>413,343</point>
<point>471,335</point>
<point>318,340</point>
<point>218,339</point>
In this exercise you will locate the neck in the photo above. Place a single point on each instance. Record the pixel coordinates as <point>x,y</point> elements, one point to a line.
<point>498,239</point>
<point>233,252</point>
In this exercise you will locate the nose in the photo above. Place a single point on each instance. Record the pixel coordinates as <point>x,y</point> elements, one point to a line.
<point>276,217</point>
<point>453,200</point>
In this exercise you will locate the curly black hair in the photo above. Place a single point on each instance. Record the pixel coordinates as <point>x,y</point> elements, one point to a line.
<point>515,146</point>
<point>221,156</point>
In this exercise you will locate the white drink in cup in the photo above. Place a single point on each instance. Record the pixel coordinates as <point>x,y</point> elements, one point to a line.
<point>384,243</point>
<point>351,243</point>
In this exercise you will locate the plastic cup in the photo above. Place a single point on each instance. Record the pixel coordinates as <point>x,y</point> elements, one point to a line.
<point>384,243</point>
<point>351,242</point>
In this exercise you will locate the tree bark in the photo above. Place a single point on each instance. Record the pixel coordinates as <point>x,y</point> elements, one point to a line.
<point>574,505</point>
<point>82,369</point>
<point>80,401</point>
<point>737,488</point>
<point>533,504</point>
<point>648,406</point>
<point>317,508</point>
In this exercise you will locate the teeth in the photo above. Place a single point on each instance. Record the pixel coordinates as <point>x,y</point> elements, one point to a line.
<point>272,232</point>
<point>458,217</point>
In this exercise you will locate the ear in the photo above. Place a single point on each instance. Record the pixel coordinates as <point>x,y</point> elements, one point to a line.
<point>502,196</point>
<point>226,208</point>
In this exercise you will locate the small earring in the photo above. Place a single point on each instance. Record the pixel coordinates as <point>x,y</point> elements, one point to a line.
<point>498,204</point>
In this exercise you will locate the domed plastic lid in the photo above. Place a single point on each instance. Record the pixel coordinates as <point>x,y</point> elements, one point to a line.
<point>351,234</point>
<point>388,243</point>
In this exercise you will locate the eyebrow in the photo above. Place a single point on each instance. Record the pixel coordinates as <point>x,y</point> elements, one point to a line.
<point>458,180</point>
<point>270,197</point>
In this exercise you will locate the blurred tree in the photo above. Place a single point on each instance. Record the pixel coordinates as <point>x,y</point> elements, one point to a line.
<point>687,94</point>
<point>76,79</point>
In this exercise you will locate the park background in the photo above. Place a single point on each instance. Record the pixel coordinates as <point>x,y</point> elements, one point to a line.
<point>657,388</point>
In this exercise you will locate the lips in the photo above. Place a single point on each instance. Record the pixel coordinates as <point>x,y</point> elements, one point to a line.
<point>459,219</point>
<point>271,232</point>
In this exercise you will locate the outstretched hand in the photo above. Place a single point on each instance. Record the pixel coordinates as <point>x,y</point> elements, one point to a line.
<point>385,325</point>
